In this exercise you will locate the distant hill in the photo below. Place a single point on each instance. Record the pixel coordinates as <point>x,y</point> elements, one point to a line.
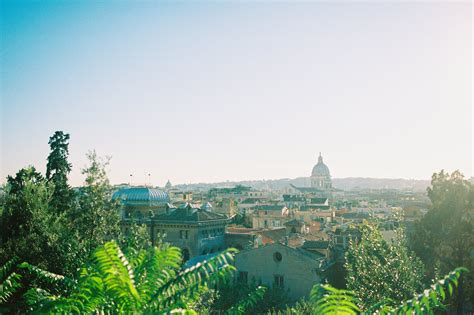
<point>350,183</point>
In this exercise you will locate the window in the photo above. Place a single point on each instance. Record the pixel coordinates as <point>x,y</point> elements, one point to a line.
<point>183,234</point>
<point>278,281</point>
<point>243,277</point>
<point>277,257</point>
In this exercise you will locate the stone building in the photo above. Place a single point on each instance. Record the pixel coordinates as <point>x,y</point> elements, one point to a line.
<point>294,270</point>
<point>269,216</point>
<point>196,230</point>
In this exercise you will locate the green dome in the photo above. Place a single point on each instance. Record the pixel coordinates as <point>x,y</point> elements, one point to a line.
<point>141,195</point>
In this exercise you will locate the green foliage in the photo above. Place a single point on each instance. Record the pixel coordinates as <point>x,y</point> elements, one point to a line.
<point>249,301</point>
<point>431,298</point>
<point>237,297</point>
<point>329,300</point>
<point>150,283</point>
<point>30,231</point>
<point>326,300</point>
<point>57,171</point>
<point>137,240</point>
<point>96,219</point>
<point>443,238</point>
<point>20,285</point>
<point>9,281</point>
<point>378,270</point>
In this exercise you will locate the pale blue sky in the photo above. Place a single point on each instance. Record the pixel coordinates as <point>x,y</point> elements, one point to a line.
<point>211,91</point>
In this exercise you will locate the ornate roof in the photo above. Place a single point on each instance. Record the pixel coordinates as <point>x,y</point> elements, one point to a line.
<point>141,195</point>
<point>320,169</point>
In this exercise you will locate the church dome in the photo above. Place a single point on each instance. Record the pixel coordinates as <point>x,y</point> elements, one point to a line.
<point>141,195</point>
<point>320,169</point>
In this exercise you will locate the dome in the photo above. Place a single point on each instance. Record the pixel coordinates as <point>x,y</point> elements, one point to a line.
<point>140,195</point>
<point>320,169</point>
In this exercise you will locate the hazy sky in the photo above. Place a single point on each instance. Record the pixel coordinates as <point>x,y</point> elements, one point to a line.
<point>212,91</point>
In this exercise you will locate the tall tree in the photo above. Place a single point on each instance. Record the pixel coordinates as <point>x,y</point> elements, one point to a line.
<point>444,237</point>
<point>29,230</point>
<point>57,171</point>
<point>96,219</point>
<point>379,270</point>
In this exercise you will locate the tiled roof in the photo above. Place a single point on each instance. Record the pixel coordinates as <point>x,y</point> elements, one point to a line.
<point>355,215</point>
<point>308,189</point>
<point>269,207</point>
<point>319,200</point>
<point>314,207</point>
<point>294,222</point>
<point>250,201</point>
<point>316,244</point>
<point>293,198</point>
<point>190,214</point>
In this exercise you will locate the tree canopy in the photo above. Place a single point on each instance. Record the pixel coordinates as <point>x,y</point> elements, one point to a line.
<point>444,237</point>
<point>382,270</point>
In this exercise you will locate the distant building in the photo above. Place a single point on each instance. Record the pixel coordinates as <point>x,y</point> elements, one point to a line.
<point>247,204</point>
<point>320,176</point>
<point>226,206</point>
<point>269,216</point>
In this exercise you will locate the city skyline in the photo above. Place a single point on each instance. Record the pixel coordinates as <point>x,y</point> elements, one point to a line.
<point>239,91</point>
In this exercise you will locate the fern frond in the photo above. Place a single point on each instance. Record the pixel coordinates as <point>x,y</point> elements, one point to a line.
<point>41,274</point>
<point>9,286</point>
<point>328,300</point>
<point>7,268</point>
<point>117,275</point>
<point>158,269</point>
<point>189,280</point>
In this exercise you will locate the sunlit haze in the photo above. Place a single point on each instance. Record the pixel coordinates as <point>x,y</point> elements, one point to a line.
<point>208,92</point>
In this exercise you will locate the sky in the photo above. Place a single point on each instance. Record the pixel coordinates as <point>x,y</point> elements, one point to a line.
<point>213,91</point>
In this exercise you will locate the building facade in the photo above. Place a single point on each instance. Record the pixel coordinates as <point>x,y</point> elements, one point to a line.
<point>294,270</point>
<point>196,230</point>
